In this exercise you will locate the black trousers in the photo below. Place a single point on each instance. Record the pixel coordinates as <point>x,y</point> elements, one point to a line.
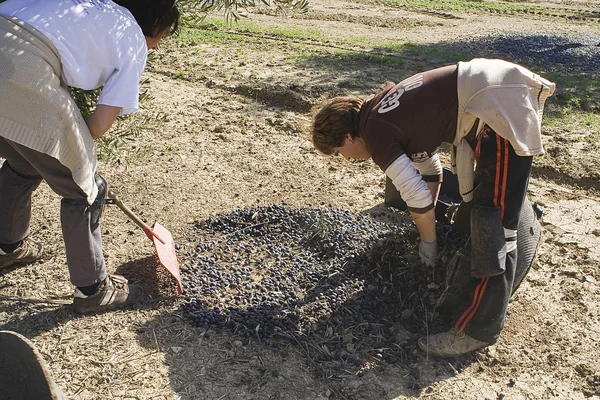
<point>503,178</point>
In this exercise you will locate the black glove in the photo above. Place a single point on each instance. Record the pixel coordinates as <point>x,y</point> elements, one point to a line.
<point>459,216</point>
<point>97,207</point>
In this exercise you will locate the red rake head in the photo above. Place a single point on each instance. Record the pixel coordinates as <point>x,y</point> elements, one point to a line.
<point>165,250</point>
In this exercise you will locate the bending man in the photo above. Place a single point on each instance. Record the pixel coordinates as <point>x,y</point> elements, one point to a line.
<point>46,45</point>
<point>491,112</point>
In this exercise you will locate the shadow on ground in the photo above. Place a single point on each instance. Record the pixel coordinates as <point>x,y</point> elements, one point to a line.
<point>32,317</point>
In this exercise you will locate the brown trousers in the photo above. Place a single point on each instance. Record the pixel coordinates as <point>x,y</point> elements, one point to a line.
<point>22,172</point>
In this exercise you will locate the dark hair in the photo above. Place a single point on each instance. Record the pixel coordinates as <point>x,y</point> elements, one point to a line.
<point>336,119</point>
<point>155,17</point>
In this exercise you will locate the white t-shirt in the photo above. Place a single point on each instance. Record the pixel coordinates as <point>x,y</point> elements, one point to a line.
<point>99,42</point>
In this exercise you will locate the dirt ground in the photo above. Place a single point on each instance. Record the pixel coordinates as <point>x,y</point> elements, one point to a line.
<point>234,136</point>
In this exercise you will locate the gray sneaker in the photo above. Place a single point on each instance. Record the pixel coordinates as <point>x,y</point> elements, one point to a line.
<point>29,252</point>
<point>113,293</point>
<point>453,343</point>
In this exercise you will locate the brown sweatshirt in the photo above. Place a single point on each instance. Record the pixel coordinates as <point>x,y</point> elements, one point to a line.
<point>413,117</point>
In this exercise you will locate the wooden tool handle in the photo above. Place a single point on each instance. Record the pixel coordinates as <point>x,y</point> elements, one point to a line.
<point>145,227</point>
<point>126,210</point>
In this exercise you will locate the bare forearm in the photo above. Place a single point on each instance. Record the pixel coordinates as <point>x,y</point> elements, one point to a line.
<point>102,119</point>
<point>425,224</point>
<point>426,221</point>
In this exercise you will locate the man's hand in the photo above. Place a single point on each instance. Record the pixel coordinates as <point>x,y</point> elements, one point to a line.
<point>461,217</point>
<point>428,252</point>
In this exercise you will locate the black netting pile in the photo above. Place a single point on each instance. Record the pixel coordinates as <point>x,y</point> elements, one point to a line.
<point>577,52</point>
<point>342,285</point>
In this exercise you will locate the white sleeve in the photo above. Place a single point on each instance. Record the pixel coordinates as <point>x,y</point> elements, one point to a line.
<point>122,88</point>
<point>413,189</point>
<point>431,166</point>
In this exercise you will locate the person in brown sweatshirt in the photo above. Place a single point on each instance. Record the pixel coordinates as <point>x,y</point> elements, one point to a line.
<point>490,111</point>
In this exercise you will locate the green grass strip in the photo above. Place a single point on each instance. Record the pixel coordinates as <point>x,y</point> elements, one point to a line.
<point>480,6</point>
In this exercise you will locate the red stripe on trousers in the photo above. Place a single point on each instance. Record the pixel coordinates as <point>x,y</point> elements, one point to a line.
<point>470,311</point>
<point>499,196</point>
<point>484,283</point>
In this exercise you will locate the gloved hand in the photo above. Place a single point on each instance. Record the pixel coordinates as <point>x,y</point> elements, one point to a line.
<point>428,252</point>
<point>460,217</point>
